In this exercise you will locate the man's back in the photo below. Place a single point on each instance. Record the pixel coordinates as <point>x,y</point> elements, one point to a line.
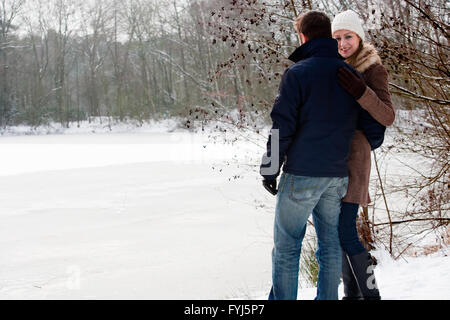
<point>315,116</point>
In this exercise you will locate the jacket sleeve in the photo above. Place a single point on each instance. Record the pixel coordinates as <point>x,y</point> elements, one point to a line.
<point>285,117</point>
<point>372,129</point>
<point>377,99</point>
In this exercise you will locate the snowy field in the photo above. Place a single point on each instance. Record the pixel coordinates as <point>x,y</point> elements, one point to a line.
<point>151,213</point>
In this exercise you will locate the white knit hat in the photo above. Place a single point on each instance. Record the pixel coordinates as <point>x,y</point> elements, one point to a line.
<point>348,20</point>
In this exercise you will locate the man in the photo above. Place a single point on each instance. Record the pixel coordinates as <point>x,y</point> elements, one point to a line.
<point>314,120</point>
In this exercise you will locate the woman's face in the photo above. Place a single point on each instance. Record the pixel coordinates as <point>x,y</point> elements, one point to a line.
<point>348,42</point>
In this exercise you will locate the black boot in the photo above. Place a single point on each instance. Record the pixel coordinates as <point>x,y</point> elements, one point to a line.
<point>351,289</point>
<point>362,266</point>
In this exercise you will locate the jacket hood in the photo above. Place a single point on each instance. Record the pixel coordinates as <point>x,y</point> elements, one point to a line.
<point>366,58</point>
<point>322,47</point>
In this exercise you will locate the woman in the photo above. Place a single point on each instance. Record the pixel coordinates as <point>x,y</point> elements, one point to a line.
<point>372,93</point>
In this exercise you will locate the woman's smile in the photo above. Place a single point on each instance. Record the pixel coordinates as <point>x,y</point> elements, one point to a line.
<point>348,42</point>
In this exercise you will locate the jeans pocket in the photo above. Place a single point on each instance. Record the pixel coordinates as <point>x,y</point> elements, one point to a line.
<point>300,189</point>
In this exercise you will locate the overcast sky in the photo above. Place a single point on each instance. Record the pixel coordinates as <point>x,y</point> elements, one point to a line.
<point>35,12</point>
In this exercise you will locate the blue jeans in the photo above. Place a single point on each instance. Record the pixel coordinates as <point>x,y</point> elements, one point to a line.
<point>297,198</point>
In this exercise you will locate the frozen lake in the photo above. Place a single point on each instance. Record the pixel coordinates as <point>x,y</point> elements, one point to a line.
<point>146,216</point>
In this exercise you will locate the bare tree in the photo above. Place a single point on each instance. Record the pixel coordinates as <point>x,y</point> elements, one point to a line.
<point>9,10</point>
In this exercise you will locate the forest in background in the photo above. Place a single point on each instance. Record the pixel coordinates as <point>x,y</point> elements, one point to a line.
<point>64,61</point>
<point>70,61</point>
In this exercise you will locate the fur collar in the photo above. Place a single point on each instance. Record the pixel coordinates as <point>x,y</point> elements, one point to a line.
<point>366,58</point>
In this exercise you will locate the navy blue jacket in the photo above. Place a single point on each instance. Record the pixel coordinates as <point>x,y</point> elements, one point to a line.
<point>373,130</point>
<point>315,116</point>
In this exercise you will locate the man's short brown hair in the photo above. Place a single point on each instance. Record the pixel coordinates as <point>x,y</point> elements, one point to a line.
<point>313,24</point>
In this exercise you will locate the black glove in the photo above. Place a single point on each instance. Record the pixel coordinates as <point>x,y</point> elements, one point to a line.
<point>271,186</point>
<point>352,83</point>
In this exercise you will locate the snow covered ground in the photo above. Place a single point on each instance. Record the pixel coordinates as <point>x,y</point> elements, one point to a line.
<point>151,213</point>
<point>418,278</point>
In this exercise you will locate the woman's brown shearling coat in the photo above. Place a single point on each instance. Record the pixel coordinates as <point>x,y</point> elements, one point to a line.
<point>377,101</point>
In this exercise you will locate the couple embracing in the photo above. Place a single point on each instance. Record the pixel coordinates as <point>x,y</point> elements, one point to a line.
<point>327,117</point>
